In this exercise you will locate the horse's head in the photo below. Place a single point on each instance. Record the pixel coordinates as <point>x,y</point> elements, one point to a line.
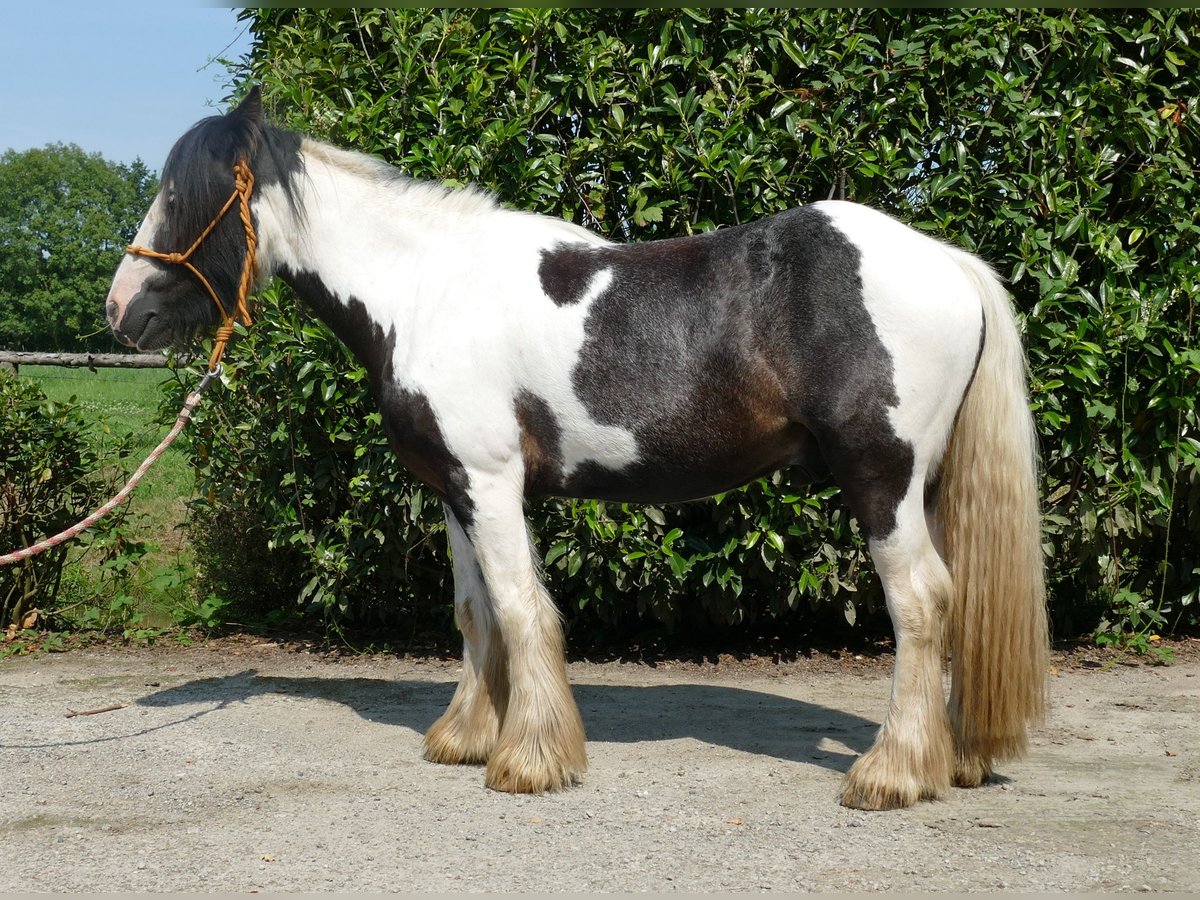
<point>154,301</point>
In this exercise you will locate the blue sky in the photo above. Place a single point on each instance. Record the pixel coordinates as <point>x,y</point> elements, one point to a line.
<point>121,79</point>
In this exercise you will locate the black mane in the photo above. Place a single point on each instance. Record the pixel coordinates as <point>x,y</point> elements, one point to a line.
<point>198,178</point>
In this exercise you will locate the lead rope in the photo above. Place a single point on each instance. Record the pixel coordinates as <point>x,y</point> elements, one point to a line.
<point>243,187</point>
<point>185,415</point>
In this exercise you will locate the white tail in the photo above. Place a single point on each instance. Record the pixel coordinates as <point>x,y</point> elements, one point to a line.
<point>997,632</point>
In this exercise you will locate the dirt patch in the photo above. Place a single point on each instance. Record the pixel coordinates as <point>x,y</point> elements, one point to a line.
<point>251,764</point>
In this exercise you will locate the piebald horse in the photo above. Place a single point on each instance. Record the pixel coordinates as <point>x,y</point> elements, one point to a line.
<point>515,355</point>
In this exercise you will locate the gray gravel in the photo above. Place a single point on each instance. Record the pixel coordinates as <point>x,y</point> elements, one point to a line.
<point>257,767</point>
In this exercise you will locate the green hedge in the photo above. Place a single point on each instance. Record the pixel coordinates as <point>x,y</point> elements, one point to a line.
<point>1060,145</point>
<point>51,475</point>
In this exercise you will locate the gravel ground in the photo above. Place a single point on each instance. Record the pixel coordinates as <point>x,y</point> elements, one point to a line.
<point>247,765</point>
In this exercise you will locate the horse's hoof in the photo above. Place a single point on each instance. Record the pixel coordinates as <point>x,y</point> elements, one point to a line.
<point>875,798</point>
<point>514,772</point>
<point>876,782</point>
<point>524,782</point>
<point>971,770</point>
<point>859,793</point>
<point>446,743</point>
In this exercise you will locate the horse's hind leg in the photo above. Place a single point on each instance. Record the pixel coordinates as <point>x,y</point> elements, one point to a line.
<point>540,745</point>
<point>467,731</point>
<point>912,757</point>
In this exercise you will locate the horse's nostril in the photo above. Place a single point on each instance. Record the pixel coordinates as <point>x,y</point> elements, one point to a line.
<point>111,310</point>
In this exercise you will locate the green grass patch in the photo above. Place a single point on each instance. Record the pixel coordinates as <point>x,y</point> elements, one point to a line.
<point>119,403</point>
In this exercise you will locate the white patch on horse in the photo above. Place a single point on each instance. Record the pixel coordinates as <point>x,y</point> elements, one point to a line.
<point>583,439</point>
<point>916,294</point>
<point>133,271</point>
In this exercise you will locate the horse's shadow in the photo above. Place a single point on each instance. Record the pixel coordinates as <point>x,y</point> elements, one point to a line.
<point>738,718</point>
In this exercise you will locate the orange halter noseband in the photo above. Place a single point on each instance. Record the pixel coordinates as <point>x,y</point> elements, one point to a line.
<point>243,187</point>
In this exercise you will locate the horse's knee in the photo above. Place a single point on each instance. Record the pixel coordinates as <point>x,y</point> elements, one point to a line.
<point>474,619</point>
<point>934,590</point>
<point>917,589</point>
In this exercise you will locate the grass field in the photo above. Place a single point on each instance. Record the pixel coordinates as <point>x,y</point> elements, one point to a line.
<point>118,402</point>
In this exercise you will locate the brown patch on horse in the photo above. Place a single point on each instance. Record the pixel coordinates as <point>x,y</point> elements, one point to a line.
<point>566,270</point>
<point>541,443</point>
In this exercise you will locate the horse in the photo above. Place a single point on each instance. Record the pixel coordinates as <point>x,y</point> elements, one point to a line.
<point>514,355</point>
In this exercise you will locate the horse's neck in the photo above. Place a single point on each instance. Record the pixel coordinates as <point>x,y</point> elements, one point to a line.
<point>361,229</point>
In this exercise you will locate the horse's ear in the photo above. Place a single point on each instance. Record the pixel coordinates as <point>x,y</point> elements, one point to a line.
<point>250,108</point>
<point>246,119</point>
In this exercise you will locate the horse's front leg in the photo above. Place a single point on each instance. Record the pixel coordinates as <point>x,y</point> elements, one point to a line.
<point>540,746</point>
<point>467,731</point>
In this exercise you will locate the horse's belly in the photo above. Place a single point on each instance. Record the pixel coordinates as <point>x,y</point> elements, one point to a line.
<point>696,463</point>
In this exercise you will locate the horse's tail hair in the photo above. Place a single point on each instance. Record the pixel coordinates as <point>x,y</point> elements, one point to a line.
<point>996,631</point>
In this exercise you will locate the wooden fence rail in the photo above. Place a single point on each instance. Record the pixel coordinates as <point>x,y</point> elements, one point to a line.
<point>92,361</point>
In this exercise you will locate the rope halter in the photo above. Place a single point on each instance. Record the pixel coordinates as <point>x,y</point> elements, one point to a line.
<point>243,187</point>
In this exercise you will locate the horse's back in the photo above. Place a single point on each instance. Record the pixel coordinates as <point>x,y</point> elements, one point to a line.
<point>729,354</point>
